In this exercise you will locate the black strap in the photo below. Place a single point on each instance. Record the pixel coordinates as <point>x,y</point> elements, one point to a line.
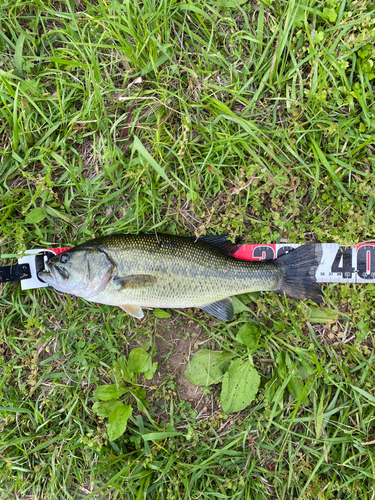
<point>17,272</point>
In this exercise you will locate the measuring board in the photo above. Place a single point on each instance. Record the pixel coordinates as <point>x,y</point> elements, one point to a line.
<point>338,264</point>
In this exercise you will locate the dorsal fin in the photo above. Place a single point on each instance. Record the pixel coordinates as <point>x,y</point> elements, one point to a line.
<point>222,242</point>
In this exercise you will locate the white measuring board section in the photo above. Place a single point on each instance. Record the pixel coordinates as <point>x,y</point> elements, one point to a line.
<point>338,264</point>
<point>36,260</point>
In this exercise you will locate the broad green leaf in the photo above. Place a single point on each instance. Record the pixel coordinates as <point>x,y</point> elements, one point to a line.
<point>330,14</point>
<point>305,369</point>
<point>239,306</point>
<point>323,316</point>
<point>301,14</point>
<point>284,367</point>
<point>150,373</point>
<point>281,365</point>
<point>295,384</point>
<point>104,409</point>
<point>365,51</point>
<point>207,367</point>
<point>299,18</point>
<point>126,373</point>
<point>107,392</point>
<point>159,313</point>
<point>118,420</point>
<point>279,325</point>
<point>35,216</point>
<point>139,360</point>
<point>240,386</point>
<point>369,69</point>
<point>249,334</point>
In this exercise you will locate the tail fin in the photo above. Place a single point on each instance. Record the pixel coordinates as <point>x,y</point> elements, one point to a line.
<point>298,272</point>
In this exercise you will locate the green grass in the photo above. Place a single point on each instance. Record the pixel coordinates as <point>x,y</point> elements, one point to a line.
<point>232,117</point>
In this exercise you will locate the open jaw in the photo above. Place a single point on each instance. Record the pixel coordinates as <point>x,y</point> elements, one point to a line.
<point>54,274</point>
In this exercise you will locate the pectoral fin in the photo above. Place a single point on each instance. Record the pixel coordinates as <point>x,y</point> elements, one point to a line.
<point>223,309</point>
<point>134,281</point>
<point>135,311</point>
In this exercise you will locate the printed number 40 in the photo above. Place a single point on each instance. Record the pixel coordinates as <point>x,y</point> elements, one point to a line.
<point>365,262</point>
<point>347,268</point>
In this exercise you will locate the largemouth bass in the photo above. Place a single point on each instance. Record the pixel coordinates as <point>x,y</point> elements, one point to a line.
<point>135,271</point>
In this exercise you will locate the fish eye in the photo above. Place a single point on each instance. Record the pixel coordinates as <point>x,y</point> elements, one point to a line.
<point>64,258</point>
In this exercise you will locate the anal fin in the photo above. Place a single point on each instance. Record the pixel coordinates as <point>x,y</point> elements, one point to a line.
<point>133,310</point>
<point>223,309</point>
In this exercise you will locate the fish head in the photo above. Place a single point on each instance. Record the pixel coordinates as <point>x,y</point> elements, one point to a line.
<point>82,271</point>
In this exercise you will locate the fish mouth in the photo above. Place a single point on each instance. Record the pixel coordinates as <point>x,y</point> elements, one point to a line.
<point>53,273</point>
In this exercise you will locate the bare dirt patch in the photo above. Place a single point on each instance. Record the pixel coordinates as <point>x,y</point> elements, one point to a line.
<point>176,340</point>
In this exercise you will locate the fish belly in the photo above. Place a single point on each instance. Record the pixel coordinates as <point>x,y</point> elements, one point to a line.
<point>181,290</point>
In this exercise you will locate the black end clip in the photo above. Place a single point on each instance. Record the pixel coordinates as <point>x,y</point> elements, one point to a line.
<point>16,272</point>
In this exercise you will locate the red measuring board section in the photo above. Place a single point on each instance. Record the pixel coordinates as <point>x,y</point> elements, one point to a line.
<point>256,252</point>
<point>56,251</point>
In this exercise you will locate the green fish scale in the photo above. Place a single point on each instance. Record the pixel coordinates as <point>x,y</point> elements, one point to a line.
<point>189,274</point>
